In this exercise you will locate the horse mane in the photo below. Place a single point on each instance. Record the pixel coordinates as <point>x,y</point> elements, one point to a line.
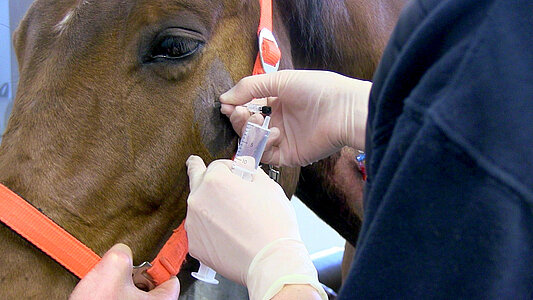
<point>312,25</point>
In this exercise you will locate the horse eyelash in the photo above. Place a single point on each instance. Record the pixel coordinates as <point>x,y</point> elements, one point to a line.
<point>175,48</point>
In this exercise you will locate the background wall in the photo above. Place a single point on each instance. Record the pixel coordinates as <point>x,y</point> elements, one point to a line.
<point>11,12</point>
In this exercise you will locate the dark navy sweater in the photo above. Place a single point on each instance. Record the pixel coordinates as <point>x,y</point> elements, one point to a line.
<point>449,198</point>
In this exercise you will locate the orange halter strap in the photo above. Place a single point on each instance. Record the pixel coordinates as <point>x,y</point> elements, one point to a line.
<point>75,256</point>
<point>72,254</point>
<point>269,55</point>
<point>39,230</point>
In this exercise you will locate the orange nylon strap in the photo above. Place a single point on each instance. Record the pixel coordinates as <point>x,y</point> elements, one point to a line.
<point>170,258</point>
<point>269,50</point>
<point>72,254</point>
<point>265,20</point>
<point>39,230</point>
<point>258,68</point>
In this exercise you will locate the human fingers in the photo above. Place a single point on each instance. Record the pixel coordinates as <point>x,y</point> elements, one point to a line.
<point>227,109</point>
<point>117,263</point>
<point>257,86</point>
<point>110,276</point>
<point>198,172</point>
<point>195,169</point>
<point>256,119</point>
<point>238,119</point>
<point>274,139</point>
<point>169,290</point>
<point>219,165</point>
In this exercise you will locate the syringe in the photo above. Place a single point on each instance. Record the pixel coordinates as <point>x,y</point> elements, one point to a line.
<point>205,274</point>
<point>249,153</point>
<point>251,148</point>
<point>257,108</point>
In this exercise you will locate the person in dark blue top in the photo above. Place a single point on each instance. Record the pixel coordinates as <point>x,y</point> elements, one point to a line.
<point>449,196</point>
<point>448,204</point>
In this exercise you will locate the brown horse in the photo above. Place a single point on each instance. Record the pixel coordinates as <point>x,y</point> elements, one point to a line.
<point>115,95</point>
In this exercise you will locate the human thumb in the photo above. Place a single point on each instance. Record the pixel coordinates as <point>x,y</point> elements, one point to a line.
<point>169,289</point>
<point>116,265</point>
<point>195,169</point>
<point>257,86</point>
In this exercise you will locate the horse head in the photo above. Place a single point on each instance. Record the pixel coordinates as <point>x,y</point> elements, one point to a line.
<point>113,97</point>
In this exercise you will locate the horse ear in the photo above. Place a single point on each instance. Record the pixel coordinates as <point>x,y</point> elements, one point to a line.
<point>18,39</point>
<point>25,12</point>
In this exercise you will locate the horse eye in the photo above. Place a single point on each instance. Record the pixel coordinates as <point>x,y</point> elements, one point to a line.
<point>174,48</point>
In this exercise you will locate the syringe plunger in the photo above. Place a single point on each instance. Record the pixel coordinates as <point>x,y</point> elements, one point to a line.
<point>205,274</point>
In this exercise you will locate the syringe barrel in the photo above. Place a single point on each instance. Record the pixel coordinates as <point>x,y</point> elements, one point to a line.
<point>242,172</point>
<point>254,141</point>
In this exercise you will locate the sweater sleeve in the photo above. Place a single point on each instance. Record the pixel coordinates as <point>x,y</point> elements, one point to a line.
<point>449,200</point>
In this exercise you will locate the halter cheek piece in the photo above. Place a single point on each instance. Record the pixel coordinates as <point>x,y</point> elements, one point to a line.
<point>268,58</point>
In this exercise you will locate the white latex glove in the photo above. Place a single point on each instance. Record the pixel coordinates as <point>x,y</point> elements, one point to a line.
<point>246,231</point>
<point>314,113</point>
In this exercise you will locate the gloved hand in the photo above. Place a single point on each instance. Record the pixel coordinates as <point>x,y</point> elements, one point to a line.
<point>246,231</point>
<point>111,279</point>
<point>314,113</point>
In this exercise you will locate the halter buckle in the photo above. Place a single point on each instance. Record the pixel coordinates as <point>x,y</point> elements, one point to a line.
<point>269,52</point>
<point>141,279</point>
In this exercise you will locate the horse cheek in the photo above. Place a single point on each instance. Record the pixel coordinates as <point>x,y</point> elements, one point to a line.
<point>216,133</point>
